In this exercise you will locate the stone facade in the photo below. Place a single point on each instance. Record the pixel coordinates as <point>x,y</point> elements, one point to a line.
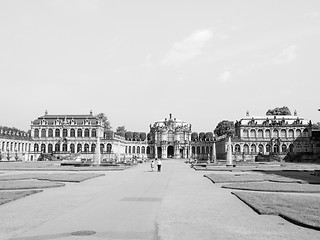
<point>170,138</point>
<point>278,135</point>
<point>15,144</point>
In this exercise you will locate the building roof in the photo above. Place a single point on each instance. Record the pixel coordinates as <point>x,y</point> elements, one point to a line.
<point>286,119</point>
<point>79,118</point>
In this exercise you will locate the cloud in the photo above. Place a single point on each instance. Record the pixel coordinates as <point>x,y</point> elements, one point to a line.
<point>188,48</point>
<point>225,76</point>
<point>287,55</point>
<point>312,15</point>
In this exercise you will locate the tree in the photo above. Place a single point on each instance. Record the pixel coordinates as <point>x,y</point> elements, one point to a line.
<point>121,131</point>
<point>105,122</point>
<point>202,136</point>
<point>209,136</point>
<point>279,111</point>
<point>143,136</point>
<point>108,134</point>
<point>194,137</point>
<point>225,127</point>
<point>136,136</point>
<point>129,135</point>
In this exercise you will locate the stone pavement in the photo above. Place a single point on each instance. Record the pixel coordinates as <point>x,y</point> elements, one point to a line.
<point>178,203</point>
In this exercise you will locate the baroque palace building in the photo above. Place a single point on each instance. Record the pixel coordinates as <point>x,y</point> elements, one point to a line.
<point>14,144</point>
<point>170,138</point>
<point>281,135</point>
<point>58,137</point>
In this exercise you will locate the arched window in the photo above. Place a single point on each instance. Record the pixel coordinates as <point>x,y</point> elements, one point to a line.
<point>129,149</point>
<point>86,147</point>
<point>36,147</point>
<point>284,148</point>
<point>305,133</point>
<point>43,133</point>
<point>275,133</point>
<point>193,150</point>
<point>260,148</point>
<point>207,150</point>
<point>268,133</point>
<point>253,148</point>
<point>291,147</point>
<point>290,133</point>
<point>298,133</point>
<point>50,132</point>
<point>93,147</point>
<point>93,132</point>
<point>50,148</point>
<point>268,148</point>
<point>79,132</point>
<point>283,133</point>
<point>57,147</point>
<point>252,133</point>
<point>64,147</point>
<point>36,133</point>
<point>109,148</point>
<point>138,150</point>
<point>148,150</point>
<point>245,133</point>
<point>43,148</point>
<point>101,147</point>
<point>57,132</point>
<point>198,149</point>
<point>260,133</point>
<point>72,148</point>
<point>143,150</point>
<point>237,148</point>
<point>72,132</point>
<point>65,133</point>
<point>86,133</point>
<point>133,149</point>
<point>276,148</point>
<point>79,147</point>
<point>245,148</point>
<point>203,150</point>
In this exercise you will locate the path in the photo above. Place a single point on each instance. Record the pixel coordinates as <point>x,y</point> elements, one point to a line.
<point>177,203</point>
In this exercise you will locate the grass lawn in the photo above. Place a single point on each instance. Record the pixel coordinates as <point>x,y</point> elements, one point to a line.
<point>247,177</point>
<point>301,176</point>
<point>69,177</point>
<point>8,196</point>
<point>28,184</point>
<point>275,187</point>
<point>231,177</point>
<point>297,208</point>
<point>60,177</point>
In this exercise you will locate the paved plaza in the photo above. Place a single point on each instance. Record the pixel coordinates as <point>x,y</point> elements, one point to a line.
<point>177,203</point>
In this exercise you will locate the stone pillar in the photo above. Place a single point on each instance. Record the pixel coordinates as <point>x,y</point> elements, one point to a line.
<point>97,154</point>
<point>229,153</point>
<point>214,154</point>
<point>176,151</point>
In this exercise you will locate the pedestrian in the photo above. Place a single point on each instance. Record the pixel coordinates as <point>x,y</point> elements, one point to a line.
<point>159,165</point>
<point>152,166</point>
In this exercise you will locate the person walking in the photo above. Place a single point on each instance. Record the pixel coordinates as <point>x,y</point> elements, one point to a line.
<point>152,166</point>
<point>159,165</point>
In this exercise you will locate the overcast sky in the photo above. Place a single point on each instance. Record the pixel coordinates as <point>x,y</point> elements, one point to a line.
<point>137,61</point>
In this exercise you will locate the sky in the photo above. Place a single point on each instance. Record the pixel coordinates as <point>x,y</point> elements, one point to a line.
<point>138,61</point>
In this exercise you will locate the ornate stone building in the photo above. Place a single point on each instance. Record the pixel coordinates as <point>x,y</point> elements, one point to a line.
<point>169,138</point>
<point>276,134</point>
<point>14,144</point>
